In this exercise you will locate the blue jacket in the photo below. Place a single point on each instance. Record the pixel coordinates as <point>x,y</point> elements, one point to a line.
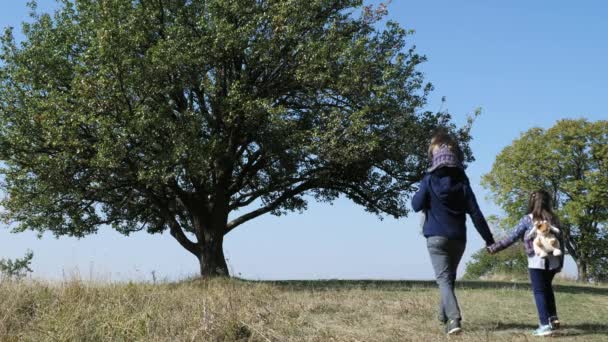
<point>446,197</point>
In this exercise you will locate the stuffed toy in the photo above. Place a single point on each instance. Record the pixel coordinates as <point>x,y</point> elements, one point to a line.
<point>545,242</point>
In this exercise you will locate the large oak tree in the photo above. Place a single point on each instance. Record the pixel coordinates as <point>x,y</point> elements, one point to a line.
<point>570,160</point>
<point>196,116</point>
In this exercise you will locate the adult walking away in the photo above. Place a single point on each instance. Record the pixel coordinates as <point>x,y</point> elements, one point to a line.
<point>445,196</point>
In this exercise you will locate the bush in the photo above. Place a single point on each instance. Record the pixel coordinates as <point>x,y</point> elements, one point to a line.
<point>18,268</point>
<point>511,261</point>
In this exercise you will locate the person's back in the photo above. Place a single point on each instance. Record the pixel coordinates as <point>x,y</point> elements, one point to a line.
<point>445,196</point>
<point>446,214</point>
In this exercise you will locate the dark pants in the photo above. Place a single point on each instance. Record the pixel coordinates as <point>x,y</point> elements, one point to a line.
<point>543,294</point>
<point>445,257</point>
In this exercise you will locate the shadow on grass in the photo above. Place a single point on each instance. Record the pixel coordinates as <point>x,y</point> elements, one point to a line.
<point>405,285</point>
<point>566,330</point>
<point>584,329</point>
<point>514,326</point>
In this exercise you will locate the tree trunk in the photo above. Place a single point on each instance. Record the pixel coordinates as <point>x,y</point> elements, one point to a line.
<point>581,267</point>
<point>211,259</point>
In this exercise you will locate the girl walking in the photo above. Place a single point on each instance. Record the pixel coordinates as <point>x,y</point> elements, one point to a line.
<point>542,270</point>
<point>445,196</point>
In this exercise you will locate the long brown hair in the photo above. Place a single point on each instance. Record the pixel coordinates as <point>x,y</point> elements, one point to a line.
<point>541,207</point>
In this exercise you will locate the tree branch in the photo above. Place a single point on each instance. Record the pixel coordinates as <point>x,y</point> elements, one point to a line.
<point>177,232</point>
<point>245,199</point>
<point>174,228</point>
<point>271,206</point>
<point>254,163</point>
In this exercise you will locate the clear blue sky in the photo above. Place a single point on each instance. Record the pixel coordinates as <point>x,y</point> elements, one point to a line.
<point>526,63</point>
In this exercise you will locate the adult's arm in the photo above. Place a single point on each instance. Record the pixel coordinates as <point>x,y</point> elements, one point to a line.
<point>421,197</point>
<point>479,221</point>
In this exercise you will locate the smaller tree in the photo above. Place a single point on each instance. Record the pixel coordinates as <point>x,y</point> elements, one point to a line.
<point>570,160</point>
<point>511,262</point>
<point>598,270</point>
<point>18,268</point>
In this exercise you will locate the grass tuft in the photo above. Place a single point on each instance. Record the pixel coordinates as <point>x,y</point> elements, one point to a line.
<point>238,310</point>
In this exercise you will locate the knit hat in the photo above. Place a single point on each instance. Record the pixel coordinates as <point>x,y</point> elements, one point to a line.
<point>445,157</point>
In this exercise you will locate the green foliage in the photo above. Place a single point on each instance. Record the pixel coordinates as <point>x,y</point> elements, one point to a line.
<point>570,160</point>
<point>512,262</point>
<point>197,116</point>
<point>18,268</point>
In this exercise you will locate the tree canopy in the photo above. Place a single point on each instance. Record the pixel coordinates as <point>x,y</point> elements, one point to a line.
<point>198,116</point>
<point>570,160</point>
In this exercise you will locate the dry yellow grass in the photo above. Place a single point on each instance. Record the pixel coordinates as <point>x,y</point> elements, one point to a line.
<point>234,310</point>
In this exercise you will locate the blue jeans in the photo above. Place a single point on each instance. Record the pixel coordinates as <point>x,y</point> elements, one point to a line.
<point>543,293</point>
<point>445,257</point>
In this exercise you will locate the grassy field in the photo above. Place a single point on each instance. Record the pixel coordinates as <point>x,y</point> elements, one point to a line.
<point>236,310</point>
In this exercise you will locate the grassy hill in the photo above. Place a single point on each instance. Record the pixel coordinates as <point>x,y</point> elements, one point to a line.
<point>236,310</point>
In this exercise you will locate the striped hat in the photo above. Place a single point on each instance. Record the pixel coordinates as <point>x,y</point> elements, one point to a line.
<point>445,157</point>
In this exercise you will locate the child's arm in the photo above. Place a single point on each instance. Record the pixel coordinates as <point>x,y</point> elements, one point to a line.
<point>517,234</point>
<point>420,199</point>
<point>477,217</point>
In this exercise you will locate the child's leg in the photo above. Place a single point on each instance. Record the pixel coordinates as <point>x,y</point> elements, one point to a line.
<point>538,279</point>
<point>551,307</point>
